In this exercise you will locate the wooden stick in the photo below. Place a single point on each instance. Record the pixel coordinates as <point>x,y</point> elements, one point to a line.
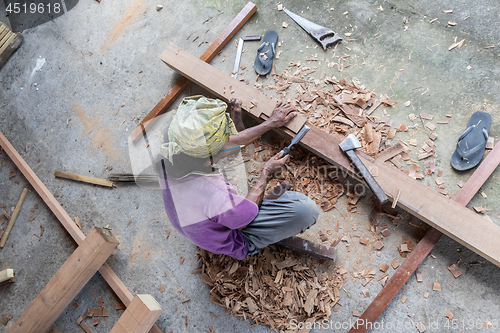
<point>424,247</point>
<point>66,283</point>
<point>183,83</point>
<point>449,217</point>
<point>107,273</point>
<point>13,217</point>
<point>85,179</point>
<point>140,315</point>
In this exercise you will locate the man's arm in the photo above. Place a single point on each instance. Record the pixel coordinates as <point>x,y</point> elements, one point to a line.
<point>281,115</point>
<point>275,163</point>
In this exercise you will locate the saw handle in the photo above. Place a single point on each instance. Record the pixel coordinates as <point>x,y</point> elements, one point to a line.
<point>367,176</point>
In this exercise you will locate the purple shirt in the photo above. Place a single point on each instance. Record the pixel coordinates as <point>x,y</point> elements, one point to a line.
<point>208,210</point>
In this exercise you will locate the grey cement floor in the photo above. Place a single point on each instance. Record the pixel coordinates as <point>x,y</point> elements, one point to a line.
<point>60,91</point>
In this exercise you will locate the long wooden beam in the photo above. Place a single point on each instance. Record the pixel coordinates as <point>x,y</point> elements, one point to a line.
<point>66,283</point>
<point>78,236</point>
<point>183,83</point>
<point>424,247</point>
<point>446,215</point>
<point>139,316</point>
<point>226,87</point>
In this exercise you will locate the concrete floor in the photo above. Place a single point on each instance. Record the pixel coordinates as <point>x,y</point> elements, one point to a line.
<point>58,100</point>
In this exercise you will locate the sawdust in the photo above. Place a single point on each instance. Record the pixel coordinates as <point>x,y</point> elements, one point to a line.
<point>102,139</point>
<point>139,249</point>
<point>122,24</point>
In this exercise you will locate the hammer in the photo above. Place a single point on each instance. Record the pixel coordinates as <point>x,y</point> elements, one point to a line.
<point>240,49</point>
<point>348,145</point>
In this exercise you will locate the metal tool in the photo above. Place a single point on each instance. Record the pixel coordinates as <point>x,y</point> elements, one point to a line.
<point>240,49</point>
<point>296,139</point>
<point>323,35</point>
<point>306,246</point>
<point>348,145</point>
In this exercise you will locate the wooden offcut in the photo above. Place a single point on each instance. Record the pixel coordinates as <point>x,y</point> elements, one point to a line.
<point>66,283</point>
<point>139,316</point>
<point>7,276</point>
<point>85,179</point>
<point>183,83</point>
<point>78,236</point>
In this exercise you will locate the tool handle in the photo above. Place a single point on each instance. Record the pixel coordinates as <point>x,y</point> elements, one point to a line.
<point>286,151</point>
<point>367,176</point>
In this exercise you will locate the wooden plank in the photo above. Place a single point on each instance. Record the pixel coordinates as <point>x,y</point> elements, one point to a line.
<point>426,244</point>
<point>139,316</point>
<point>8,49</point>
<point>107,273</point>
<point>183,83</point>
<point>13,217</point>
<point>85,179</point>
<point>66,283</point>
<point>444,214</point>
<point>224,86</point>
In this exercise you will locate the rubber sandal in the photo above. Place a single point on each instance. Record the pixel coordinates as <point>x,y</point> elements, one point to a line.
<point>472,143</point>
<point>265,53</point>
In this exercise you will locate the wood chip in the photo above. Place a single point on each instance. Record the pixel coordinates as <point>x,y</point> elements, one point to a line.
<point>78,222</point>
<point>363,240</point>
<point>480,209</point>
<point>162,288</point>
<point>120,306</point>
<point>430,126</point>
<point>378,245</point>
<point>454,45</point>
<point>86,328</point>
<point>452,23</point>
<point>426,294</point>
<point>403,299</point>
<point>284,25</point>
<point>490,144</point>
<point>420,327</point>
<point>454,270</point>
<point>395,264</point>
<point>186,300</point>
<point>436,286</point>
<point>366,292</point>
<point>356,313</point>
<point>449,315</point>
<point>419,276</point>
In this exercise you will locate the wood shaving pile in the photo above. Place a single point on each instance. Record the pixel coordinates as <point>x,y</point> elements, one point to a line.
<point>272,287</point>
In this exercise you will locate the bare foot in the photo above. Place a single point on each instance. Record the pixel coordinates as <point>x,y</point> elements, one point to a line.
<point>279,190</point>
<point>234,107</point>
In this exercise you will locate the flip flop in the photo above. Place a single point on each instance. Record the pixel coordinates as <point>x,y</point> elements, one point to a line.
<point>472,143</point>
<point>265,53</point>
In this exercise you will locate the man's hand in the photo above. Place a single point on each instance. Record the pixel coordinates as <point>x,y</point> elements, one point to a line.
<point>275,163</point>
<point>282,114</point>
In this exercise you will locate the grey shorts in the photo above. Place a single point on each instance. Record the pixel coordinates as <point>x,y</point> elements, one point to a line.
<point>290,214</point>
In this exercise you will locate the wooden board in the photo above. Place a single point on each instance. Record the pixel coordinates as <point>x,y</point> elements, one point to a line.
<point>78,236</point>
<point>183,83</point>
<point>85,179</point>
<point>448,216</point>
<point>66,283</point>
<point>426,244</point>
<point>9,43</point>
<point>224,86</point>
<point>139,316</point>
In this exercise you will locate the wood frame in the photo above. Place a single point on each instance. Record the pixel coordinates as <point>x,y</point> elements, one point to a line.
<point>139,316</point>
<point>78,236</point>
<point>446,215</point>
<point>66,283</point>
<point>424,247</point>
<point>183,83</point>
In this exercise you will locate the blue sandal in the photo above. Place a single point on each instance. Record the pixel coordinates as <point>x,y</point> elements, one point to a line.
<point>472,143</point>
